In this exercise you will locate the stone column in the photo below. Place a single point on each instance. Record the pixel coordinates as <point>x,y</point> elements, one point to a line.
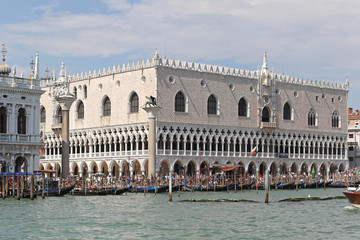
<point>152,114</point>
<point>65,103</point>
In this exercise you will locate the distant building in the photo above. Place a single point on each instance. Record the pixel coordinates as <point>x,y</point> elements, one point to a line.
<point>354,137</point>
<point>19,119</point>
<point>208,115</point>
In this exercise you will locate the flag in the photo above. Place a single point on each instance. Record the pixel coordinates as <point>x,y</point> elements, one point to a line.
<point>254,152</point>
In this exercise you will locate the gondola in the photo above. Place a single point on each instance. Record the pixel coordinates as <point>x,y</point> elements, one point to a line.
<point>91,192</point>
<point>118,191</point>
<point>286,185</point>
<point>151,189</point>
<point>54,192</point>
<point>336,185</point>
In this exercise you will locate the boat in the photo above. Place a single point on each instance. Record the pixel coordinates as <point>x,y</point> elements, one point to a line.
<point>91,192</point>
<point>54,192</point>
<point>151,189</point>
<point>118,191</point>
<point>353,197</point>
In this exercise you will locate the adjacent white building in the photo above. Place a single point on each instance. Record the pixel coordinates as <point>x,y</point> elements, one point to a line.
<point>208,114</point>
<point>19,119</point>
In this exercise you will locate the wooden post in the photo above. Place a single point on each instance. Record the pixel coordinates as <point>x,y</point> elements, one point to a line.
<point>32,187</point>
<point>256,182</point>
<point>7,186</point>
<point>17,187</point>
<point>170,187</point>
<point>43,186</point>
<point>13,185</point>
<point>47,187</point>
<point>266,186</point>
<point>3,187</point>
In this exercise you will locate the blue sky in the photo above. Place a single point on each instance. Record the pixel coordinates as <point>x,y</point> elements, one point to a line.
<point>317,40</point>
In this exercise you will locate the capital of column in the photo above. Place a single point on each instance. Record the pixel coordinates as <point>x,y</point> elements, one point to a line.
<point>152,111</point>
<point>65,101</point>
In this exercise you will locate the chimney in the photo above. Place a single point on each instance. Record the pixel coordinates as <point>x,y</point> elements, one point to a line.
<point>350,110</point>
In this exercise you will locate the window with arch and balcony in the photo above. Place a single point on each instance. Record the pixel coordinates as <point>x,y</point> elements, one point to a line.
<point>3,119</point>
<point>265,115</point>
<point>180,104</point>
<point>212,105</point>
<point>243,108</point>
<point>106,107</point>
<point>22,121</point>
<point>335,119</point>
<point>287,113</point>
<point>42,115</point>
<point>312,117</point>
<point>80,110</point>
<point>134,103</point>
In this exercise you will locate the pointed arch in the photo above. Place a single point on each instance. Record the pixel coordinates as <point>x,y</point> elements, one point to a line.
<point>134,103</point>
<point>265,116</point>
<point>180,103</point>
<point>42,114</point>
<point>59,115</point>
<point>212,105</point>
<point>287,111</point>
<point>312,117</point>
<point>335,119</point>
<point>80,111</point>
<point>106,106</point>
<point>85,91</point>
<point>243,108</point>
<point>75,92</point>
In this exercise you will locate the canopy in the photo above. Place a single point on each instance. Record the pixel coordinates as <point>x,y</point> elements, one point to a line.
<point>46,171</point>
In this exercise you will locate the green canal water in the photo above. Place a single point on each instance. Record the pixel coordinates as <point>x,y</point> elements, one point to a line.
<point>139,216</point>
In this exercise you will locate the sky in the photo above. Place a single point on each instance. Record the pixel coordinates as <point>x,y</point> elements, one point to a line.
<point>310,39</point>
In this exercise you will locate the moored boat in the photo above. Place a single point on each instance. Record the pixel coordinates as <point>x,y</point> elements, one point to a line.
<point>55,192</point>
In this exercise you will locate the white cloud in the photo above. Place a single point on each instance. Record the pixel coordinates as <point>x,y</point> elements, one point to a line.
<point>295,33</point>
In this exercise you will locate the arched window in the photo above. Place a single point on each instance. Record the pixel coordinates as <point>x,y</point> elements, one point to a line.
<point>211,106</point>
<point>134,103</point>
<point>42,115</point>
<point>85,91</point>
<point>3,119</point>
<point>287,111</point>
<point>335,120</point>
<point>179,102</point>
<point>242,108</point>
<point>21,121</point>
<point>311,117</point>
<point>265,115</point>
<point>80,110</point>
<point>75,92</point>
<point>107,107</point>
<point>59,115</point>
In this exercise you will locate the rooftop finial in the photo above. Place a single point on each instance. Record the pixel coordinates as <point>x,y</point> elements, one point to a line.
<point>264,66</point>
<point>32,66</point>
<point>156,54</point>
<point>4,52</point>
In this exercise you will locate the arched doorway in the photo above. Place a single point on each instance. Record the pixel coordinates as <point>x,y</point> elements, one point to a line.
<point>294,168</point>
<point>125,169</point>
<point>178,168</point>
<point>304,169</point>
<point>137,167</point>
<point>20,164</point>
<point>164,168</point>
<point>115,170</point>
<point>85,170</point>
<point>273,169</point>
<point>341,167</point>
<point>94,168</point>
<point>283,169</point>
<point>104,168</point>
<point>241,169</point>
<point>252,168</point>
<point>323,170</point>
<point>204,168</point>
<point>190,169</point>
<point>76,170</point>
<point>262,169</point>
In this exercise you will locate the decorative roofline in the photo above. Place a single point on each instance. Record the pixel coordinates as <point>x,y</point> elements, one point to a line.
<point>199,67</point>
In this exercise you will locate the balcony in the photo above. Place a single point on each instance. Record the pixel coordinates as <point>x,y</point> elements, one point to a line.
<point>56,127</point>
<point>270,125</point>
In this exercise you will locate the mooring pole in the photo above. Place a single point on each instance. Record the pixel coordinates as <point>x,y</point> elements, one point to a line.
<point>32,187</point>
<point>17,187</point>
<point>170,187</point>
<point>266,186</point>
